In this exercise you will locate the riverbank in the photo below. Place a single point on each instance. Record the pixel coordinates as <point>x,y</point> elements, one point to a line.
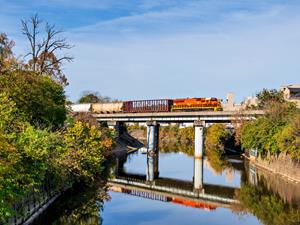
<point>124,145</point>
<point>282,166</point>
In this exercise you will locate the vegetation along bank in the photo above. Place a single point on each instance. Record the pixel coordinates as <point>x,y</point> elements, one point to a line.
<point>43,151</point>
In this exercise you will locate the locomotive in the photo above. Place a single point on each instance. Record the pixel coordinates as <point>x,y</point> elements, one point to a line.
<point>146,106</point>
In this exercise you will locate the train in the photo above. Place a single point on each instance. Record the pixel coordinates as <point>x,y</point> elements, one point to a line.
<point>151,106</point>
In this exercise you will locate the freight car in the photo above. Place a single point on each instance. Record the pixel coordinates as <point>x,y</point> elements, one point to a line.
<point>143,106</point>
<point>86,107</point>
<point>112,107</point>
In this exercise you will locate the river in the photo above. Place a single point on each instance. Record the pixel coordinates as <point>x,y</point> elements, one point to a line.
<point>169,189</point>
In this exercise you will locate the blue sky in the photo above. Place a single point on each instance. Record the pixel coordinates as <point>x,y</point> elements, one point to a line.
<point>144,49</point>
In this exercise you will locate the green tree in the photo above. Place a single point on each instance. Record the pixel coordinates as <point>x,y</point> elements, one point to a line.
<point>289,138</point>
<point>265,97</point>
<point>268,133</point>
<point>39,98</point>
<point>94,97</point>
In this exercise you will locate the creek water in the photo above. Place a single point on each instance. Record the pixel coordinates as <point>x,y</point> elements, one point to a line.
<point>174,188</point>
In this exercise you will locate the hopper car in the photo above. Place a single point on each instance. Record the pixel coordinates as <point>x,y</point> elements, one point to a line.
<point>146,106</point>
<point>111,107</point>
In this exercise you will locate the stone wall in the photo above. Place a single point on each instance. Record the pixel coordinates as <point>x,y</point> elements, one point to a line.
<point>281,165</point>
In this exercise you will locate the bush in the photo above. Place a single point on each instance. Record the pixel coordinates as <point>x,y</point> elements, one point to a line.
<point>85,149</point>
<point>29,156</point>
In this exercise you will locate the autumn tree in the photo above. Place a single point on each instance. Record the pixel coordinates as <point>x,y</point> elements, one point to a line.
<point>45,56</point>
<point>7,58</point>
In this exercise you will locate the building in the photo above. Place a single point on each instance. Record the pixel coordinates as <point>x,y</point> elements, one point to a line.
<point>291,93</point>
<point>230,105</point>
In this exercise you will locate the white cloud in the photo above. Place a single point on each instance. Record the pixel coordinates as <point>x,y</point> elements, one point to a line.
<point>242,53</point>
<point>191,48</point>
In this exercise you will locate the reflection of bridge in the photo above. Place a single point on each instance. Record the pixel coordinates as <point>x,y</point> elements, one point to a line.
<point>177,191</point>
<point>194,193</point>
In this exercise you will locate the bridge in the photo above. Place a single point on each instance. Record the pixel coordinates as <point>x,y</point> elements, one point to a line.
<point>153,119</point>
<point>199,118</point>
<point>181,117</point>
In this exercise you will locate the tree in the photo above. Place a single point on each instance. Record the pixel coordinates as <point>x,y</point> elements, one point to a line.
<point>265,97</point>
<point>289,138</point>
<point>45,58</point>
<point>38,98</point>
<point>94,97</point>
<point>7,58</point>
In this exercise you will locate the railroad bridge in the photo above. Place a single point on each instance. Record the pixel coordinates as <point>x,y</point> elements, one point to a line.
<point>153,119</point>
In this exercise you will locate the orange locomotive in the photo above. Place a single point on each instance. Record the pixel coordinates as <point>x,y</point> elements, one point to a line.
<point>194,204</point>
<point>196,104</point>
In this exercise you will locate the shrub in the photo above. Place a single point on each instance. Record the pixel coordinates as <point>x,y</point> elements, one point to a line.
<point>85,149</point>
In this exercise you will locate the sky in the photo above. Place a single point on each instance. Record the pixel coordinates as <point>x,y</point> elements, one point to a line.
<point>148,49</point>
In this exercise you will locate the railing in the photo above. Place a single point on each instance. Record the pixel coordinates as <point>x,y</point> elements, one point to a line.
<point>31,203</point>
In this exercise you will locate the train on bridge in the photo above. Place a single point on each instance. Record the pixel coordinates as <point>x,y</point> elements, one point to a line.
<point>146,106</point>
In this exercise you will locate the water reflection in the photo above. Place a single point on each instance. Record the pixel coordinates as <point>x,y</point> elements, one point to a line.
<point>272,199</point>
<point>174,188</point>
<point>81,205</point>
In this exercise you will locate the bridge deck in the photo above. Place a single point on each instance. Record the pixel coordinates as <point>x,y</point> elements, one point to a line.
<point>180,116</point>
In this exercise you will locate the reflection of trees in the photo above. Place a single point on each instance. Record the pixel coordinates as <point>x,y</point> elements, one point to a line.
<point>174,146</point>
<point>84,209</point>
<point>268,207</point>
<point>217,161</point>
<point>174,139</point>
<point>82,206</point>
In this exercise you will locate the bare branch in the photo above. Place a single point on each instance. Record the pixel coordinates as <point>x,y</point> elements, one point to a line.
<point>44,53</point>
<point>31,35</point>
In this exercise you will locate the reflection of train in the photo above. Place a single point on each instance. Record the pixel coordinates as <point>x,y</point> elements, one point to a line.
<point>144,106</point>
<point>194,204</point>
<point>165,198</point>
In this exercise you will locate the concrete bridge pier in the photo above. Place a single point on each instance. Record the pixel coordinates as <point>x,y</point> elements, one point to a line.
<point>117,126</point>
<point>152,167</point>
<point>198,173</point>
<point>199,137</point>
<point>152,136</point>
